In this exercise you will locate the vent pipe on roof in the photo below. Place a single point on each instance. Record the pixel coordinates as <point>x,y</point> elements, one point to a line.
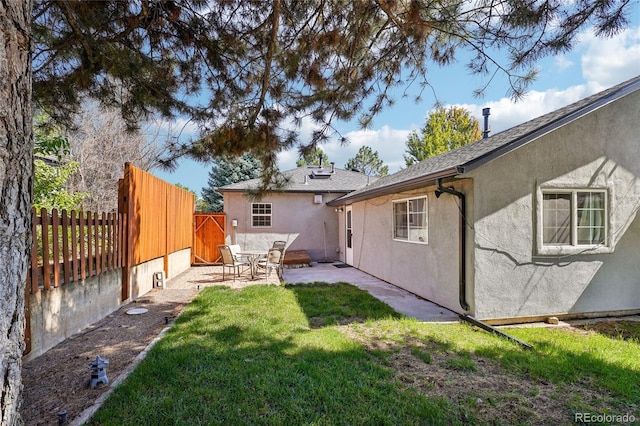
<point>320,157</point>
<point>333,166</point>
<point>486,113</point>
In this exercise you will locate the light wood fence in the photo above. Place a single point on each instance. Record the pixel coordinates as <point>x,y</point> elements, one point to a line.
<point>159,217</point>
<point>72,246</point>
<point>154,219</point>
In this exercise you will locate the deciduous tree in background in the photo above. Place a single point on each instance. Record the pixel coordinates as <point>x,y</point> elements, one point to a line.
<point>368,162</point>
<point>444,130</point>
<point>51,172</point>
<point>263,65</point>
<point>101,144</point>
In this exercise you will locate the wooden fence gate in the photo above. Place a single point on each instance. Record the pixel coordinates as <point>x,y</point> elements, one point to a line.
<point>208,233</point>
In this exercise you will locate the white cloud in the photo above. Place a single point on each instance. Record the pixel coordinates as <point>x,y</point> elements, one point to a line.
<point>388,142</point>
<point>562,63</point>
<point>607,62</point>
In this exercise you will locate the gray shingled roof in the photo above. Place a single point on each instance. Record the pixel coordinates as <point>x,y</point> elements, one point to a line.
<point>339,181</point>
<point>470,156</point>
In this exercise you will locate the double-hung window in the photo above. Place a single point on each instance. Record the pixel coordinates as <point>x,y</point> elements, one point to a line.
<point>261,215</point>
<point>410,220</point>
<point>574,218</point>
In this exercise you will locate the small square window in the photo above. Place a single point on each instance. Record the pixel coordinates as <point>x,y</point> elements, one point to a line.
<point>261,215</point>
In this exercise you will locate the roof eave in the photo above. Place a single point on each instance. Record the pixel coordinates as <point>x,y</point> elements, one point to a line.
<point>549,127</point>
<point>405,185</point>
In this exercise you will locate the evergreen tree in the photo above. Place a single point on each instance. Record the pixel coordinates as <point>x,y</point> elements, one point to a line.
<point>312,158</point>
<point>444,130</point>
<point>225,171</point>
<point>265,64</point>
<point>367,161</point>
<point>262,65</point>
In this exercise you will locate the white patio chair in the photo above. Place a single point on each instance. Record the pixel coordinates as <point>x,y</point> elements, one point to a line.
<point>272,261</point>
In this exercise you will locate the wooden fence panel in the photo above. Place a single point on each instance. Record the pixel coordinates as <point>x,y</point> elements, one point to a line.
<point>75,260</point>
<point>46,264</point>
<point>159,216</point>
<point>68,247</point>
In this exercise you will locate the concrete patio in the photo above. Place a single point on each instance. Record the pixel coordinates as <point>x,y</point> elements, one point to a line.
<point>198,277</point>
<point>401,300</point>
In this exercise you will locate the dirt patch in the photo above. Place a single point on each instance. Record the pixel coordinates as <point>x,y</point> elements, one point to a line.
<point>481,389</point>
<point>624,330</point>
<point>60,378</point>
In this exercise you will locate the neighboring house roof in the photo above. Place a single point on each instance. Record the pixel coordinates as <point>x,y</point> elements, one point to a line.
<point>471,156</point>
<point>310,179</point>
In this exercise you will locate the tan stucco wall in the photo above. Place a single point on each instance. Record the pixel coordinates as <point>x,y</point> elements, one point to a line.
<point>428,270</point>
<point>511,279</point>
<point>296,219</point>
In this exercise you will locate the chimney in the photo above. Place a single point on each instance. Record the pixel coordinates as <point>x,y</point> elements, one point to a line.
<point>333,166</point>
<point>485,114</point>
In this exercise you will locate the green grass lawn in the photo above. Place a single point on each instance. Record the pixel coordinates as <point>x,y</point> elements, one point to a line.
<point>333,355</point>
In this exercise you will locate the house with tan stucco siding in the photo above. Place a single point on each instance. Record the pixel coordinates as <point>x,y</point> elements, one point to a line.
<point>539,220</point>
<point>296,211</point>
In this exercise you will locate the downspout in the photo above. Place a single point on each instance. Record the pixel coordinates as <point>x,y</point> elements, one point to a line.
<point>463,267</point>
<point>462,233</point>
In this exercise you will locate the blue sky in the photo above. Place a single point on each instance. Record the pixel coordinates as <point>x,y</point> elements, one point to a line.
<point>593,65</point>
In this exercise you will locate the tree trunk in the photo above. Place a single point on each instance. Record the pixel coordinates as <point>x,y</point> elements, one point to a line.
<point>16,170</point>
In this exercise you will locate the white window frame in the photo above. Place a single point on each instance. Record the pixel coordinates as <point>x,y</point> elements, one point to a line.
<point>262,215</point>
<point>573,247</point>
<point>409,217</point>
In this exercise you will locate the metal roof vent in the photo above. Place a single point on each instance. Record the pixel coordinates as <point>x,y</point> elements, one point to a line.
<point>486,113</point>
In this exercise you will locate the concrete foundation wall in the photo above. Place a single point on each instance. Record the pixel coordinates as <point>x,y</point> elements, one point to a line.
<point>141,277</point>
<point>60,312</point>
<point>515,275</point>
<point>179,262</point>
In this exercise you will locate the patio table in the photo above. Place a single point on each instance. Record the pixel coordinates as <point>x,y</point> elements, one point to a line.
<point>253,256</point>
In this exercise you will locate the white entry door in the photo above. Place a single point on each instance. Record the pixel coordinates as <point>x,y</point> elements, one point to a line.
<point>349,234</point>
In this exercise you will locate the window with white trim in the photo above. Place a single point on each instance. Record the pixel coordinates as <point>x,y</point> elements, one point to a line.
<point>261,215</point>
<point>574,217</point>
<point>410,220</point>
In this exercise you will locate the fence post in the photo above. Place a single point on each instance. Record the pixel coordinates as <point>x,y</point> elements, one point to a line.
<point>46,268</point>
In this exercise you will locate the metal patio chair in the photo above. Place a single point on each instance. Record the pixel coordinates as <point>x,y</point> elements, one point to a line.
<point>230,261</point>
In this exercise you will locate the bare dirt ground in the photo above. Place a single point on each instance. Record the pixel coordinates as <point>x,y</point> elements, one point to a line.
<point>488,391</point>
<point>59,379</point>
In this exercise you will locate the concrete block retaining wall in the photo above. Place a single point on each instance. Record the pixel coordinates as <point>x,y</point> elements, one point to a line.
<point>58,313</point>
